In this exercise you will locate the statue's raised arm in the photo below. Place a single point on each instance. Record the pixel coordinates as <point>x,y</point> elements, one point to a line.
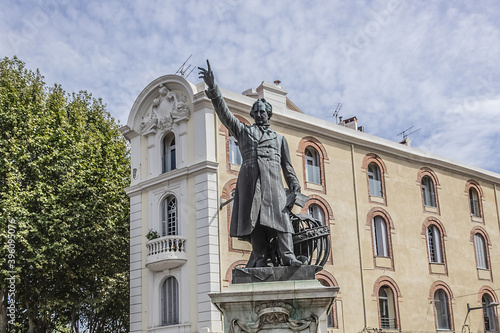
<point>207,75</point>
<point>227,118</point>
<point>259,210</point>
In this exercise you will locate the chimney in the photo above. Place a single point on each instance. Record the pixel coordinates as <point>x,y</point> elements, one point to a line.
<point>274,94</point>
<point>406,142</point>
<point>351,123</point>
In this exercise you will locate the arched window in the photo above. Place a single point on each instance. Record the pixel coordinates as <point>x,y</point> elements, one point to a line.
<point>387,308</point>
<point>168,157</point>
<point>481,254</point>
<point>488,313</point>
<point>170,302</point>
<point>169,217</point>
<point>327,280</point>
<point>234,152</point>
<point>428,192</point>
<point>317,213</point>
<point>474,202</point>
<point>379,229</point>
<point>434,245</point>
<point>374,180</point>
<point>313,171</point>
<point>475,195</point>
<point>442,310</point>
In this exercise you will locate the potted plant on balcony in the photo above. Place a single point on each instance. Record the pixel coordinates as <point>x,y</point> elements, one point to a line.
<point>152,234</point>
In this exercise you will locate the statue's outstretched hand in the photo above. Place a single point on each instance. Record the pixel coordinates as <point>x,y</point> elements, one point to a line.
<point>207,75</point>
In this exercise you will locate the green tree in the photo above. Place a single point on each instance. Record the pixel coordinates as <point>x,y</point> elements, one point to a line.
<point>63,168</point>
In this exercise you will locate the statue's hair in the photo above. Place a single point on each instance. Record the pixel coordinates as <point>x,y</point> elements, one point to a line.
<point>268,107</point>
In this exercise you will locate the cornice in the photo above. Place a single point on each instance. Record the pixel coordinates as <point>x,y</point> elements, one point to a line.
<point>324,129</point>
<point>172,175</point>
<point>334,132</point>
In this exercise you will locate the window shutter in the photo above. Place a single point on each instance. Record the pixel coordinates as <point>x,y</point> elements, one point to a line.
<point>480,247</point>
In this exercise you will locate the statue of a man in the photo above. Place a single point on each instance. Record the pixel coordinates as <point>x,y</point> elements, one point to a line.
<point>260,211</point>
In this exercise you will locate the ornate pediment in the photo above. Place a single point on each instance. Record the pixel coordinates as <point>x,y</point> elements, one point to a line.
<point>167,108</point>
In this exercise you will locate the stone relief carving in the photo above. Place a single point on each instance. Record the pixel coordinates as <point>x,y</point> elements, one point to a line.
<point>169,107</point>
<point>272,314</point>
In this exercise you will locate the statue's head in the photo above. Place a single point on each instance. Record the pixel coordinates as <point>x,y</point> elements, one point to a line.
<point>256,113</point>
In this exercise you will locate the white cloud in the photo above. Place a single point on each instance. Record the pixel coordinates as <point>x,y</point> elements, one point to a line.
<point>392,63</point>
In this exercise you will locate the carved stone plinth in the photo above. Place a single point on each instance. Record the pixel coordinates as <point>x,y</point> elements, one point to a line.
<point>275,307</point>
<point>272,274</point>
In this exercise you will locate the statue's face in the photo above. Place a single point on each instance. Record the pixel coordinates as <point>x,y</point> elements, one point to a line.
<point>260,115</point>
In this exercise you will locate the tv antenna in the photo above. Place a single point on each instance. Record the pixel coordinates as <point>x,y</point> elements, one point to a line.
<point>185,68</point>
<point>336,112</point>
<point>406,132</point>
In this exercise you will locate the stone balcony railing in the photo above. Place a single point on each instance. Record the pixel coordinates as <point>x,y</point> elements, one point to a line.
<point>165,253</point>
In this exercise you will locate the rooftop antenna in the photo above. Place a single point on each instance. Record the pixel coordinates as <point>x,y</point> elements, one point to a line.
<point>185,68</point>
<point>405,133</point>
<point>336,112</point>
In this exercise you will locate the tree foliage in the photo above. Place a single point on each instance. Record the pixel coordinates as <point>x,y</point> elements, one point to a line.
<point>63,167</point>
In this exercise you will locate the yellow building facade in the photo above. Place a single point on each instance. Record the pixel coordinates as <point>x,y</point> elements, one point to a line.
<point>415,237</point>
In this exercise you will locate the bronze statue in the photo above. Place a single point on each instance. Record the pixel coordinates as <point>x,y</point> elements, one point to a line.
<point>260,209</point>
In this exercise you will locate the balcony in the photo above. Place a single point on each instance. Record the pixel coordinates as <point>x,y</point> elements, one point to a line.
<point>388,323</point>
<point>165,253</point>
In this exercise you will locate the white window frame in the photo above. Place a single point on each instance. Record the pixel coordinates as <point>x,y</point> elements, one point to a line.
<point>169,298</point>
<point>169,161</point>
<point>380,238</point>
<point>374,180</point>
<point>313,169</point>
<point>480,249</point>
<point>169,223</point>
<point>434,245</point>
<point>428,192</point>
<point>474,202</point>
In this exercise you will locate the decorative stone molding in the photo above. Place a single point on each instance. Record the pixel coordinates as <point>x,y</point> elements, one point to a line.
<point>166,109</point>
<point>166,253</point>
<point>284,306</point>
<point>274,313</point>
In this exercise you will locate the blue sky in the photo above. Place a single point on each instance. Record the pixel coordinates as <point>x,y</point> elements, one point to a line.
<point>394,64</point>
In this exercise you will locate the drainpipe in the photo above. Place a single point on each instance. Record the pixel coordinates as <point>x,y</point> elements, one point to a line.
<point>361,269</point>
<point>496,204</point>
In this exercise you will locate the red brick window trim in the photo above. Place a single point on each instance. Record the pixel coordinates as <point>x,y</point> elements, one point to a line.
<point>313,145</point>
<point>225,196</point>
<point>435,287</point>
<point>387,301</point>
<point>327,213</point>
<point>423,176</point>
<point>231,168</point>
<point>484,261</point>
<point>374,167</point>
<point>475,198</point>
<point>491,313</point>
<point>229,273</point>
<point>432,246</point>
<point>379,243</point>
<point>326,279</point>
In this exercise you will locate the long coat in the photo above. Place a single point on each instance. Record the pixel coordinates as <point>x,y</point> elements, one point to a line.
<point>259,194</point>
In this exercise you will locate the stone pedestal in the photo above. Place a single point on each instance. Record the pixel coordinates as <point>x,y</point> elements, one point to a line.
<point>275,307</point>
